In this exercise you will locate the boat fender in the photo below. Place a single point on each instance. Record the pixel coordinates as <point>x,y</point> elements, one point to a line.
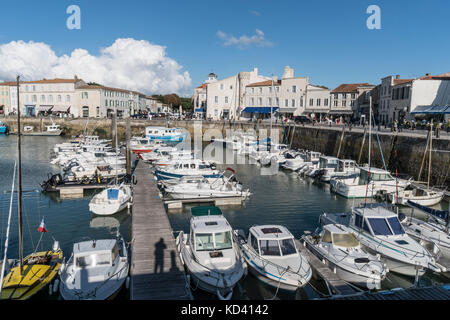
<point>134,180</point>
<point>127,283</point>
<point>55,286</point>
<point>227,297</point>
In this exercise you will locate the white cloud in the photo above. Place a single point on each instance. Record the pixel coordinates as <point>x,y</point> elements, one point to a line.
<point>255,13</point>
<point>127,63</point>
<point>245,41</point>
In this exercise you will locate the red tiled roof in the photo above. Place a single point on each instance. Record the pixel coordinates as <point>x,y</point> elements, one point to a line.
<point>265,83</point>
<point>95,86</point>
<point>56,80</point>
<point>350,87</point>
<point>202,86</point>
<point>9,83</point>
<point>400,81</point>
<point>434,78</point>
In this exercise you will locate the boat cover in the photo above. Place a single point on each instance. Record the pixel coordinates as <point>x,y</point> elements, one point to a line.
<point>206,211</point>
<point>113,194</point>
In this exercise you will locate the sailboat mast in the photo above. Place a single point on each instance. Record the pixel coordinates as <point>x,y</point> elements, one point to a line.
<point>370,128</point>
<point>115,125</point>
<point>271,111</point>
<point>429,160</point>
<point>19,186</point>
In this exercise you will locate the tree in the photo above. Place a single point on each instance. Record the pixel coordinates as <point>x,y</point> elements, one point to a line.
<point>172,99</point>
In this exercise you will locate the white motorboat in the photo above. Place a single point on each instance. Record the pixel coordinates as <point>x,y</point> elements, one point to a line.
<point>188,167</point>
<point>271,253</point>
<point>345,169</point>
<point>311,164</point>
<point>380,232</point>
<point>327,165</point>
<point>275,153</point>
<point>369,182</point>
<point>339,249</point>
<point>166,134</point>
<point>418,194</point>
<point>167,159</point>
<point>209,254</point>
<point>157,154</point>
<point>294,161</point>
<point>199,187</point>
<point>97,270</point>
<point>111,200</point>
<point>431,232</point>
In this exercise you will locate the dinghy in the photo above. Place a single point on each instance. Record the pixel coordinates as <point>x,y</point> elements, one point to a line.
<point>339,249</point>
<point>271,253</point>
<point>209,254</point>
<point>111,200</point>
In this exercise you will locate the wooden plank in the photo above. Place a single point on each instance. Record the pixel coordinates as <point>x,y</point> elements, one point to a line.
<point>156,269</point>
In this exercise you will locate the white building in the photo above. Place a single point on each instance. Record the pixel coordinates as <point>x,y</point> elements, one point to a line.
<point>386,112</point>
<point>317,102</point>
<point>226,97</point>
<point>289,96</point>
<point>49,95</point>
<point>409,96</point>
<point>99,101</point>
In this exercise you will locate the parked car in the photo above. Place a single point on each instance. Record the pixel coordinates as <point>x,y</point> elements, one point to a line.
<point>302,119</point>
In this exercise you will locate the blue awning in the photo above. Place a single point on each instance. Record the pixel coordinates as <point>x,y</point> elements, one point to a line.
<point>200,110</point>
<point>431,110</point>
<point>259,109</point>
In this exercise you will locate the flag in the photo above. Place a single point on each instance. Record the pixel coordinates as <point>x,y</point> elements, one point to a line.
<point>42,226</point>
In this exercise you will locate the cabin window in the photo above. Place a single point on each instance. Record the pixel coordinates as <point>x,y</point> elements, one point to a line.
<point>103,259</point>
<point>381,177</point>
<point>326,236</point>
<point>254,242</point>
<point>395,225</point>
<point>366,227</point>
<point>346,240</point>
<point>223,240</point>
<point>192,165</point>
<point>186,165</point>
<point>204,241</point>
<point>203,166</point>
<point>269,247</point>
<point>380,226</point>
<point>358,221</point>
<point>85,261</point>
<point>115,252</point>
<point>287,247</point>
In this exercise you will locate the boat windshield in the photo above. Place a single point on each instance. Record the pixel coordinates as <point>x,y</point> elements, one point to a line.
<point>96,259</point>
<point>269,247</point>
<point>223,240</point>
<point>346,240</point>
<point>395,225</point>
<point>205,241</point>
<point>287,247</point>
<point>380,226</point>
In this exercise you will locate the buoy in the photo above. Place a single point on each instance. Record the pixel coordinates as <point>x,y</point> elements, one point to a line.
<point>55,286</point>
<point>127,283</point>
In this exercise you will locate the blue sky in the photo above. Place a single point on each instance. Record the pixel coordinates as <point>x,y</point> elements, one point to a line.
<point>325,40</point>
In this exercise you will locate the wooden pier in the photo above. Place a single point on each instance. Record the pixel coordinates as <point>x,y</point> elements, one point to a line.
<point>441,292</point>
<point>336,285</point>
<point>216,201</point>
<point>156,269</point>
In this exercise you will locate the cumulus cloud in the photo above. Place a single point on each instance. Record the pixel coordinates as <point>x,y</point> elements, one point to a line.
<point>255,13</point>
<point>244,41</point>
<point>127,63</point>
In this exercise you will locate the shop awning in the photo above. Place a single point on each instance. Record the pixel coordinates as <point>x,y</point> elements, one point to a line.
<point>44,108</point>
<point>259,109</point>
<point>200,110</point>
<point>286,110</point>
<point>61,109</point>
<point>431,110</point>
<point>341,112</point>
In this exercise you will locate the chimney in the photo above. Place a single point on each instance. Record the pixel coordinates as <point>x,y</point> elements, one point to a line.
<point>288,72</point>
<point>75,77</point>
<point>397,77</point>
<point>255,71</point>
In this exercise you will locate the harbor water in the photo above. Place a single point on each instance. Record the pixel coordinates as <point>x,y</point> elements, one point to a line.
<point>283,198</point>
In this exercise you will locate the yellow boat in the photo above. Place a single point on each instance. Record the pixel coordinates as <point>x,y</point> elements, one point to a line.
<point>38,271</point>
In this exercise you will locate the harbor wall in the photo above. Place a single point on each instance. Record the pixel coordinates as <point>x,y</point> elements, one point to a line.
<point>401,152</point>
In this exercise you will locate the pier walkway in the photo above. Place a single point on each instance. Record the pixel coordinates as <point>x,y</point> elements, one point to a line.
<point>156,269</point>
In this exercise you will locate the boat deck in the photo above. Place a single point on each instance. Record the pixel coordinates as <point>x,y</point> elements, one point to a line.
<point>157,272</point>
<point>336,284</point>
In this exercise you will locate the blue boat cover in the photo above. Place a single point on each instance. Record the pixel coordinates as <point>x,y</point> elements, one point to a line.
<point>200,110</point>
<point>113,194</point>
<point>436,213</point>
<point>259,109</point>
